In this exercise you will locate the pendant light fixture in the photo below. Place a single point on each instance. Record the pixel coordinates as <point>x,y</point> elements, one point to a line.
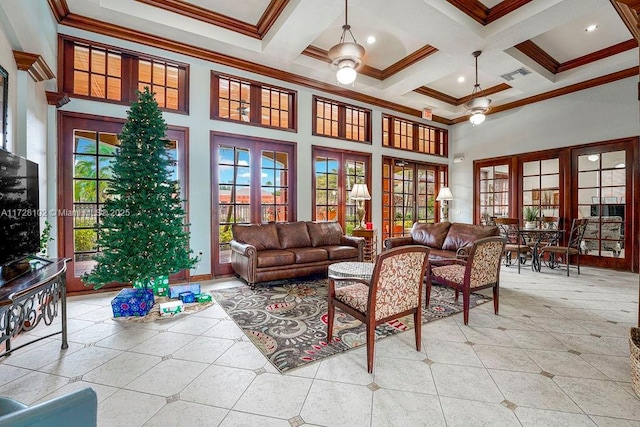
<point>347,57</point>
<point>477,106</point>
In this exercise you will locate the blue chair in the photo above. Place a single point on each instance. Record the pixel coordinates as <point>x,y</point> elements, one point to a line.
<point>76,409</point>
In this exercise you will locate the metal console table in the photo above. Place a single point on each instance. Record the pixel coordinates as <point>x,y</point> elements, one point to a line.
<point>32,298</point>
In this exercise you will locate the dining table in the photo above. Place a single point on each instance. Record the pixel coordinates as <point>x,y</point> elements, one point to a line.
<point>537,238</point>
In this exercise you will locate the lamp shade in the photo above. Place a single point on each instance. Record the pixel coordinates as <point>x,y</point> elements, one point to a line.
<point>444,194</point>
<point>360,192</point>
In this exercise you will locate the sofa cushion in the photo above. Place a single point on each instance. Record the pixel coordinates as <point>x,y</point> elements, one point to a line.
<point>262,236</point>
<point>337,252</point>
<point>324,233</point>
<point>304,255</point>
<point>431,235</point>
<point>293,235</point>
<point>275,257</point>
<point>461,235</point>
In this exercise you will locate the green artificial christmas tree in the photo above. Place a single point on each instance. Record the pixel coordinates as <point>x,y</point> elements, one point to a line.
<point>143,223</point>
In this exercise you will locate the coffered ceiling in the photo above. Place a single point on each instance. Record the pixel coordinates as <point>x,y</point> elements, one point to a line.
<point>422,50</point>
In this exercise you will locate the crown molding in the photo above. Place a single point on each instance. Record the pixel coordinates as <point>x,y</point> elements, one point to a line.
<point>33,64</point>
<point>609,78</point>
<point>59,8</point>
<point>57,98</point>
<point>484,15</point>
<point>180,7</point>
<point>540,56</point>
<point>418,55</point>
<point>628,11</point>
<point>440,96</point>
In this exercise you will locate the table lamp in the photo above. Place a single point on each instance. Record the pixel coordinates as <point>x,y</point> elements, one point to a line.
<point>360,192</point>
<point>444,195</point>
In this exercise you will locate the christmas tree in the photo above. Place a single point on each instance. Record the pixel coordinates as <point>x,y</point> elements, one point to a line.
<point>143,223</point>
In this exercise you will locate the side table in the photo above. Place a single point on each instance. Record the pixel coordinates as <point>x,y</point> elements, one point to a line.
<point>370,243</point>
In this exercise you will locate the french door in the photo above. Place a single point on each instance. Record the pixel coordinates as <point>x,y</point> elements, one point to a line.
<point>87,146</point>
<point>252,182</point>
<point>334,174</point>
<point>409,194</point>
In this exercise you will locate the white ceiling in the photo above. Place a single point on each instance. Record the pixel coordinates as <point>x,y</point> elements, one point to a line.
<point>401,27</point>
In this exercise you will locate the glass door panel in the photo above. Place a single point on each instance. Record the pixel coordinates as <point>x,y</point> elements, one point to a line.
<point>234,195</point>
<point>274,184</point>
<point>601,198</point>
<point>494,192</point>
<point>327,189</point>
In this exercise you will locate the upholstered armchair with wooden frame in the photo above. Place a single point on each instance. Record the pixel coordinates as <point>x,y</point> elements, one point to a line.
<point>515,244</point>
<point>481,270</point>
<point>578,228</point>
<point>394,291</point>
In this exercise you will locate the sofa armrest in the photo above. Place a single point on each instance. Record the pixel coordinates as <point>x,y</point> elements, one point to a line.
<point>244,260</point>
<point>244,249</point>
<point>394,242</point>
<point>356,242</point>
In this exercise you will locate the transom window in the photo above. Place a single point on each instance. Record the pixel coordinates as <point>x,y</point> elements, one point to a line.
<point>105,73</point>
<point>242,100</point>
<point>97,73</point>
<point>339,120</point>
<point>413,136</point>
<point>163,80</point>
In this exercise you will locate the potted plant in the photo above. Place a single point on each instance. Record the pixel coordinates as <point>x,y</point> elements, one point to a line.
<point>144,236</point>
<point>531,216</point>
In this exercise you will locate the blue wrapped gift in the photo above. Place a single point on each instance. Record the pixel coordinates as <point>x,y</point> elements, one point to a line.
<point>132,302</point>
<point>175,291</point>
<point>188,296</point>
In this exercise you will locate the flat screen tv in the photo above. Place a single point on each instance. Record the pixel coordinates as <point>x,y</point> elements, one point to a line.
<point>19,198</point>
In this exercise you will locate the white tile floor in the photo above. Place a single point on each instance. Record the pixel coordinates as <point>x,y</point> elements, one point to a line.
<point>556,355</point>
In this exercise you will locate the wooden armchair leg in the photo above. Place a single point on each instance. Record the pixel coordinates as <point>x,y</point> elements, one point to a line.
<point>465,305</point>
<point>371,341</point>
<point>496,301</point>
<point>417,322</point>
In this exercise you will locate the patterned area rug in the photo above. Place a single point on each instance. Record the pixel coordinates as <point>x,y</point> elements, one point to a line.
<point>287,320</point>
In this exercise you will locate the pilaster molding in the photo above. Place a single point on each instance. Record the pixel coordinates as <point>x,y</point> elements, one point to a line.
<point>33,64</point>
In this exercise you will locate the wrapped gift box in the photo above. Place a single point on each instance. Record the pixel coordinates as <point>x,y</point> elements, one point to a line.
<point>175,291</point>
<point>187,297</point>
<point>132,302</point>
<point>204,298</point>
<point>171,308</point>
<point>160,285</point>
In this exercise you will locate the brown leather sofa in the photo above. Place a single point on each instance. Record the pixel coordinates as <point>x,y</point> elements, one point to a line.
<point>445,239</point>
<point>264,252</point>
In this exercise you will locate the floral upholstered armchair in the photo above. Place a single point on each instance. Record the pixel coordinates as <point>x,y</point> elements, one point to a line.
<point>481,270</point>
<point>394,291</point>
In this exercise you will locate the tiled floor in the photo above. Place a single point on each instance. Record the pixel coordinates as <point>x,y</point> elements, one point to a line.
<point>556,355</point>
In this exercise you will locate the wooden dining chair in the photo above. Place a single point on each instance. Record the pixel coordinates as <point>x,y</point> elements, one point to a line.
<point>481,270</point>
<point>516,244</point>
<point>578,227</point>
<point>394,291</point>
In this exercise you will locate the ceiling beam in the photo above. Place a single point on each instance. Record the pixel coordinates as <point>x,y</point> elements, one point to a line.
<point>440,96</point>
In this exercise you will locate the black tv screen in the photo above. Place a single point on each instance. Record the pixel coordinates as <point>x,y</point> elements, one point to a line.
<point>19,215</point>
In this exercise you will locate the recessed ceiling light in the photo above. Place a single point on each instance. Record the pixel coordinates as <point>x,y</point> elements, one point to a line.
<point>591,28</point>
<point>461,79</point>
<point>620,166</point>
<point>593,158</point>
<point>371,39</point>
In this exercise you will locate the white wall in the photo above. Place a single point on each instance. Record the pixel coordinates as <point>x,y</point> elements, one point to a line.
<point>598,114</point>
